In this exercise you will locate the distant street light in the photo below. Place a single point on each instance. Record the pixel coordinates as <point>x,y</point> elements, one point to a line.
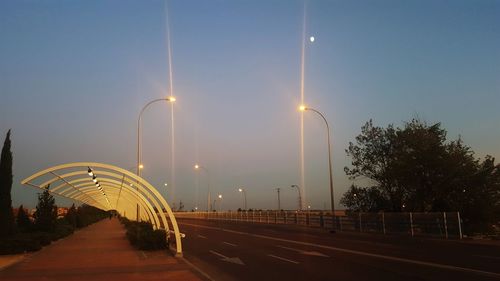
<point>220,203</point>
<point>242,190</point>
<point>279,200</point>
<point>198,167</point>
<point>300,195</point>
<point>304,108</point>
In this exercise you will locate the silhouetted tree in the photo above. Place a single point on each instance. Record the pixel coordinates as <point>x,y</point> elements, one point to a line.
<point>6,213</point>
<point>23,221</point>
<point>71,216</point>
<point>415,168</point>
<point>46,212</point>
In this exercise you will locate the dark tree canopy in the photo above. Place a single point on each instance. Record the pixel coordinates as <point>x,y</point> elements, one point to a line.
<point>415,168</point>
<point>71,216</point>
<point>6,214</point>
<point>46,212</point>
<point>23,221</point>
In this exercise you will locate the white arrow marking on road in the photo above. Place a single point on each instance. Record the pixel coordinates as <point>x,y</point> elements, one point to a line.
<point>235,260</point>
<point>308,253</point>
<point>201,236</point>
<point>230,244</point>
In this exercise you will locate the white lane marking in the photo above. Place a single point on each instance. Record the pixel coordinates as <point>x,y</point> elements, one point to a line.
<point>308,253</point>
<point>430,264</point>
<point>198,269</point>
<point>230,244</point>
<point>201,236</point>
<point>487,257</point>
<point>283,259</point>
<point>235,260</point>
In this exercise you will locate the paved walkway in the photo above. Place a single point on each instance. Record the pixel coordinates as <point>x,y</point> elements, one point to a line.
<point>98,252</point>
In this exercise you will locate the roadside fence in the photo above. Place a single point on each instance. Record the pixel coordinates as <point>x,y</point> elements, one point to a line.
<point>446,225</point>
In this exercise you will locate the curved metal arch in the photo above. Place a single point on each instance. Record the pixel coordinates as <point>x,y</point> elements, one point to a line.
<point>128,194</point>
<point>117,176</point>
<point>142,186</point>
<point>145,216</point>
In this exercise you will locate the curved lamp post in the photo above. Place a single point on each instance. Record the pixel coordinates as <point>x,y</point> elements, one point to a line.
<point>139,165</point>
<point>305,108</point>
<point>198,167</point>
<point>300,195</point>
<point>242,190</point>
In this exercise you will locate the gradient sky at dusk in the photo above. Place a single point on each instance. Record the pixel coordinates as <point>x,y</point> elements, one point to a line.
<point>74,75</point>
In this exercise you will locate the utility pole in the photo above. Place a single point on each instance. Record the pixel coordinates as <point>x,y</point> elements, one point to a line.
<point>279,202</point>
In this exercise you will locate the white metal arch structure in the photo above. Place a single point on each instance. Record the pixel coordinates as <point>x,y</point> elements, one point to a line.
<point>122,190</point>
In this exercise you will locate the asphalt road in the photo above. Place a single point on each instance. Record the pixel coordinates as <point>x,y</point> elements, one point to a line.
<point>252,251</point>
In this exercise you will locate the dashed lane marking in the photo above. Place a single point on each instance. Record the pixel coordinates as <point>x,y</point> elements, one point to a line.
<point>283,259</point>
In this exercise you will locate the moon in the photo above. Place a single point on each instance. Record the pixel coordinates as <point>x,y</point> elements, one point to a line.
<point>311,39</point>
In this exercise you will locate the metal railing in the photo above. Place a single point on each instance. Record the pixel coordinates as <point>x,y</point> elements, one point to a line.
<point>443,224</point>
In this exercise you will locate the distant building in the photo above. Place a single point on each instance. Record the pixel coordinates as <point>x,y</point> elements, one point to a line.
<point>62,211</point>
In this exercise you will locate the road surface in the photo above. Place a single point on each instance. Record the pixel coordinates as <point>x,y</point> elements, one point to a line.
<point>253,251</point>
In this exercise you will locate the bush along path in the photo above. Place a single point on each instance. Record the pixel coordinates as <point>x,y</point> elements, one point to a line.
<point>30,236</point>
<point>143,237</point>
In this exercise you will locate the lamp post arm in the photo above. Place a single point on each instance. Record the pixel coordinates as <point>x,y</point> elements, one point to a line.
<point>139,131</point>
<point>329,163</point>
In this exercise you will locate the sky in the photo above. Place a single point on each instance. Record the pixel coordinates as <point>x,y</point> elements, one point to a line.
<point>75,74</point>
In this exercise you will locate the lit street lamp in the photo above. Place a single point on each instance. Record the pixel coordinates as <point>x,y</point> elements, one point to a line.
<point>198,167</point>
<point>242,190</point>
<point>304,108</point>
<point>139,165</point>
<point>220,203</point>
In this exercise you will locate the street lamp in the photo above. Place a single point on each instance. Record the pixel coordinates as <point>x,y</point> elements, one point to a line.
<point>198,167</point>
<point>300,195</point>
<point>139,165</point>
<point>220,204</point>
<point>304,108</point>
<point>242,190</point>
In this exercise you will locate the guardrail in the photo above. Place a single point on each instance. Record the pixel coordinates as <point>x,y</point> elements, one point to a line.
<point>444,225</point>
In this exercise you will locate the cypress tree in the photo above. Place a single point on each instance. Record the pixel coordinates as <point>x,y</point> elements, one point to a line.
<point>6,214</point>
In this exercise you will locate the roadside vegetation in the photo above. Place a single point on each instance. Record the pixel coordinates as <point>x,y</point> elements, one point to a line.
<point>18,232</point>
<point>416,169</point>
<point>142,235</point>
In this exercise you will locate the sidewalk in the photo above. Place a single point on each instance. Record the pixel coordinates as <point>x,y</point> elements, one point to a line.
<point>99,252</point>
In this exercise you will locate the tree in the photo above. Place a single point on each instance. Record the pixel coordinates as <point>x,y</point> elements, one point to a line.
<point>23,221</point>
<point>6,214</point>
<point>46,212</point>
<point>367,199</point>
<point>415,168</point>
<point>71,216</point>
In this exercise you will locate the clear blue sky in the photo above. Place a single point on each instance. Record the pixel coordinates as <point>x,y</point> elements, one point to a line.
<point>74,75</point>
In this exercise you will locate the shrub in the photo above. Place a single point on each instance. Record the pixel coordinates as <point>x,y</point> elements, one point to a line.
<point>62,230</point>
<point>45,238</point>
<point>142,235</point>
<point>19,244</point>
